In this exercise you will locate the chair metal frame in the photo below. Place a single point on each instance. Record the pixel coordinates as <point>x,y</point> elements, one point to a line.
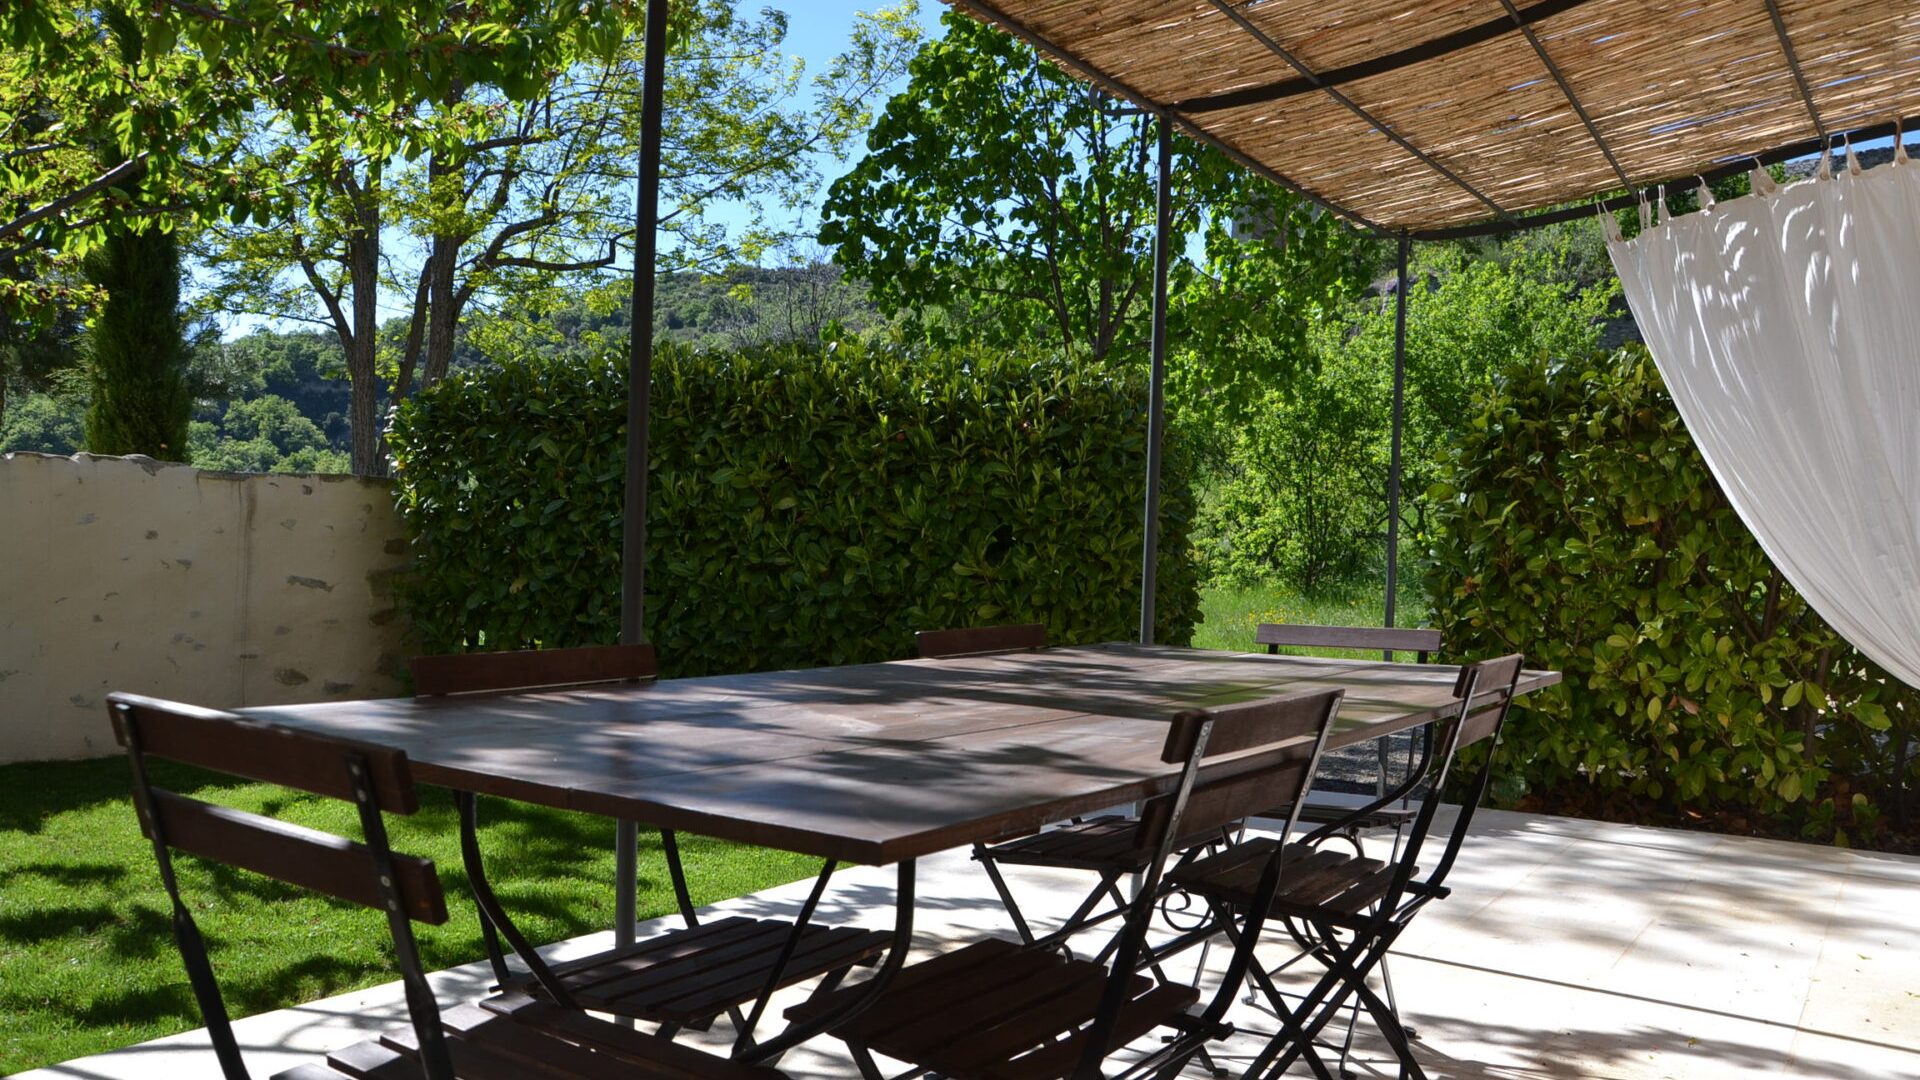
<point>1370,936</point>
<point>129,712</point>
<point>1164,829</point>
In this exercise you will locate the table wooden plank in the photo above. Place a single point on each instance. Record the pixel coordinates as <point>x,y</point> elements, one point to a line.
<point>867,763</point>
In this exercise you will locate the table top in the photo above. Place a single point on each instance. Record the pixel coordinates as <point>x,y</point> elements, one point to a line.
<point>869,763</point>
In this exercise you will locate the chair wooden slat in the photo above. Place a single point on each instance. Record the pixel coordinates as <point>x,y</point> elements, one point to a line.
<point>237,746</point>
<point>937,644</point>
<point>297,855</point>
<point>1137,1017</point>
<point>1250,724</point>
<point>527,669</point>
<point>658,1057</point>
<point>1214,805</point>
<point>1386,639</point>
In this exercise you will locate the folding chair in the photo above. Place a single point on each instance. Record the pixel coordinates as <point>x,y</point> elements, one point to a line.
<point>683,978</point>
<point>1346,911</point>
<point>1103,846</point>
<point>998,1010</point>
<point>1391,806</point>
<point>508,1037</point>
<point>1357,814</point>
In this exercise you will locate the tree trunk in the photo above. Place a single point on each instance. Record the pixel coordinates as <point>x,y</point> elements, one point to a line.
<point>363,349</point>
<point>442,310</point>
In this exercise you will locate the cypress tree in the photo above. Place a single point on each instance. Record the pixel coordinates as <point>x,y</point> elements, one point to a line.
<point>141,398</point>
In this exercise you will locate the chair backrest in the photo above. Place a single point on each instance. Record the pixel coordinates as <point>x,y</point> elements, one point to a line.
<point>1274,745</point>
<point>1388,640</point>
<point>526,669</point>
<point>375,778</point>
<point>938,644</point>
<point>1281,737</point>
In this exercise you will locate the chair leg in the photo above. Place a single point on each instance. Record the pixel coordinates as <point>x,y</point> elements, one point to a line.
<point>467,807</point>
<point>986,860</point>
<point>1394,1033</point>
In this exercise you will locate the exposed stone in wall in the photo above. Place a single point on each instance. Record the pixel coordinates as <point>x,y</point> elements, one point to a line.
<point>221,589</point>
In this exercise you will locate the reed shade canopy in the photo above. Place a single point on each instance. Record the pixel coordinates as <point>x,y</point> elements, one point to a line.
<point>1440,118</point>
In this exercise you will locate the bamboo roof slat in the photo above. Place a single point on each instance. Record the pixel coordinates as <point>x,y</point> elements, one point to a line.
<point>1676,88</point>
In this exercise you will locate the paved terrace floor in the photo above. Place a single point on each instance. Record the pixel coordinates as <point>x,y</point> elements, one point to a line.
<point>1569,949</point>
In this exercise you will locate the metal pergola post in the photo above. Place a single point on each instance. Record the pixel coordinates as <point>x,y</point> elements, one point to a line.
<point>1399,418</point>
<point>633,520</point>
<point>1157,382</point>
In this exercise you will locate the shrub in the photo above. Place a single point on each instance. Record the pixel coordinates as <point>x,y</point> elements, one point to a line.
<point>808,507</point>
<point>1302,498</point>
<point>1578,524</point>
<point>1303,491</point>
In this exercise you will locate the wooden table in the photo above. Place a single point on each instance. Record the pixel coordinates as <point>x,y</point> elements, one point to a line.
<point>874,763</point>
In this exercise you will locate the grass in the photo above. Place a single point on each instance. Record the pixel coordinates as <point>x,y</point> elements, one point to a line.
<point>1232,613</point>
<point>87,960</point>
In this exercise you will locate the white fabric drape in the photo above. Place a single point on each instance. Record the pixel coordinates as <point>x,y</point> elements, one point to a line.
<point>1787,326</point>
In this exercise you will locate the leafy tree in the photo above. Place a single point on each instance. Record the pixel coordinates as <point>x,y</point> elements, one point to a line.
<point>514,197</point>
<point>137,353</point>
<point>1303,492</point>
<point>999,189</point>
<point>36,351</point>
<point>169,111</point>
<point>53,421</point>
<point>264,434</point>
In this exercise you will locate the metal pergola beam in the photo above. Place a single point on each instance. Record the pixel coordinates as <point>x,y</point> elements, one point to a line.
<point>1793,65</point>
<point>1381,65</point>
<point>1226,8</point>
<point>1804,148</point>
<point>1157,379</point>
<point>1566,89</point>
<point>1399,417</point>
<point>1120,90</point>
<point>633,511</point>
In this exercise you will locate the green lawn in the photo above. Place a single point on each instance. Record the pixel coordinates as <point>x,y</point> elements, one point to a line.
<point>1232,614</point>
<point>87,961</point>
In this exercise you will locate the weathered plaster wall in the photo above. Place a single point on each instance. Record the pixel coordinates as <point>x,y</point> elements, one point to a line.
<point>220,589</point>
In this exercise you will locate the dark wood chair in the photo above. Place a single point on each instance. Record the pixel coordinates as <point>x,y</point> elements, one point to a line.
<point>1355,812</point>
<point>683,978</point>
<point>1346,910</point>
<point>505,1038</point>
<point>973,641</point>
<point>994,1009</point>
<point>1103,845</point>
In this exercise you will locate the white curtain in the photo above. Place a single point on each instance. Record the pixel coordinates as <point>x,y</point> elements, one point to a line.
<point>1787,326</point>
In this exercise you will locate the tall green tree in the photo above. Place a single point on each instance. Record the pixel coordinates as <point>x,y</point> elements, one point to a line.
<point>1023,203</point>
<point>532,199</point>
<point>138,354</point>
<point>170,109</point>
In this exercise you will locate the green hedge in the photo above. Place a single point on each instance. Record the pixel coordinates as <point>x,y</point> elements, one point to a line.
<point>808,507</point>
<point>1578,524</point>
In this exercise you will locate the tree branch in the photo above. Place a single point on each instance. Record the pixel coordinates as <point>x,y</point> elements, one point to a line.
<point>126,170</point>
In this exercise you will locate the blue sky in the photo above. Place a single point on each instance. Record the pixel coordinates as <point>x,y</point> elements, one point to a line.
<point>817,31</point>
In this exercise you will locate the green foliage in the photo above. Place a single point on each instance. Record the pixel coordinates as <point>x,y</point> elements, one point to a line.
<point>54,422</point>
<point>1302,497</point>
<point>265,434</point>
<point>141,401</point>
<point>1001,202</point>
<point>808,506</point>
<point>1578,524</point>
<point>162,96</point>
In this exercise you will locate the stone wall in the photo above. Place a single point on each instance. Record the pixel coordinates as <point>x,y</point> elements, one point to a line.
<point>220,589</point>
